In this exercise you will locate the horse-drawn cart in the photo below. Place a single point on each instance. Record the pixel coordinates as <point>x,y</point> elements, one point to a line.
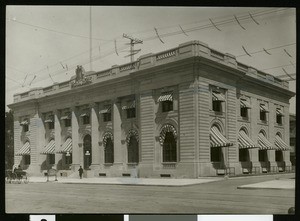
<point>16,176</point>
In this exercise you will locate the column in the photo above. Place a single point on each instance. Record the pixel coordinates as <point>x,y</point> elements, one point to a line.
<point>57,130</point>
<point>75,138</point>
<point>254,116</point>
<point>37,141</point>
<point>117,132</point>
<point>95,136</point>
<point>271,116</point>
<point>286,135</point>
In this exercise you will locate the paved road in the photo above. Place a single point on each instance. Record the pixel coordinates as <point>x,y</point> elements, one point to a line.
<point>216,197</point>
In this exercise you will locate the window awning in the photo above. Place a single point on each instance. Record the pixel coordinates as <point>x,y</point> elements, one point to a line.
<point>279,112</point>
<point>105,110</point>
<point>66,117</point>
<point>25,150</point>
<point>84,114</point>
<point>166,96</point>
<point>66,147</point>
<point>263,108</point>
<point>24,122</point>
<point>218,96</point>
<point>245,104</point>
<point>281,144</point>
<point>129,105</point>
<point>245,142</point>
<point>217,139</point>
<point>264,144</point>
<point>50,148</point>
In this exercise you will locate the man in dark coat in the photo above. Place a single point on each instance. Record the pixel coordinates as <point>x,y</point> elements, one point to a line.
<point>80,172</point>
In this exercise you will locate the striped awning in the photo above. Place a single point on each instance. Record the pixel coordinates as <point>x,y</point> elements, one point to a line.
<point>166,96</point>
<point>66,117</point>
<point>129,105</point>
<point>84,114</point>
<point>107,135</point>
<point>263,108</point>
<point>66,147</point>
<point>281,144</point>
<point>264,144</point>
<point>166,128</point>
<point>49,119</point>
<point>217,139</point>
<point>218,96</point>
<point>131,133</point>
<point>245,104</point>
<point>24,122</point>
<point>245,142</point>
<point>25,150</point>
<point>50,148</point>
<point>105,110</point>
<point>279,111</point>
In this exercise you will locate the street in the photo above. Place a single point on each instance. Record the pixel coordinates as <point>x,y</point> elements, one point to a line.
<point>216,197</point>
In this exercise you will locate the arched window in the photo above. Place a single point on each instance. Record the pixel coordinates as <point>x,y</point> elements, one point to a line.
<point>169,148</point>
<point>167,139</point>
<point>109,151</point>
<point>133,150</point>
<point>87,150</point>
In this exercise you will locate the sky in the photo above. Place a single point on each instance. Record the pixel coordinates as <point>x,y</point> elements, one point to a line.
<point>44,44</point>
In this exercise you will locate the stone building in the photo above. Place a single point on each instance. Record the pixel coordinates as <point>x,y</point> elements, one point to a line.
<point>186,112</point>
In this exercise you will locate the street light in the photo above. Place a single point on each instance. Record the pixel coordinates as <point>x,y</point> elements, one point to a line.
<point>68,156</point>
<point>87,154</point>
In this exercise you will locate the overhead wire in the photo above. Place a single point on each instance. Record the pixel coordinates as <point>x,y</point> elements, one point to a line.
<point>195,29</point>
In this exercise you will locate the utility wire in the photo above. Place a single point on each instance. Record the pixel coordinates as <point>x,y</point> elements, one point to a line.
<point>280,46</point>
<point>59,32</point>
<point>193,29</point>
<point>176,33</point>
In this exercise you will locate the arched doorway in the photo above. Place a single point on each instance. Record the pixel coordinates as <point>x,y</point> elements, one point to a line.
<point>87,151</point>
<point>109,151</point>
<point>133,150</point>
<point>169,148</point>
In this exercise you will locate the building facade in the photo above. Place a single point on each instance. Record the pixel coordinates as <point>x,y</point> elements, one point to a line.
<point>187,112</point>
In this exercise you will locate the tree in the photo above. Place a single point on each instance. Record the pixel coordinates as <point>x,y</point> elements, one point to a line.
<point>9,140</point>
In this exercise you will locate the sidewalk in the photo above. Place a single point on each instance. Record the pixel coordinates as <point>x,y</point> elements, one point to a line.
<point>126,181</point>
<point>273,184</point>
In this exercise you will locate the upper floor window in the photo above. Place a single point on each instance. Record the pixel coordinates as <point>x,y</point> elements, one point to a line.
<point>217,99</point>
<point>130,113</point>
<point>166,100</point>
<point>245,105</point>
<point>85,115</point>
<point>263,112</point>
<point>130,109</point>
<point>50,122</point>
<point>86,119</point>
<point>24,125</point>
<point>68,123</point>
<point>106,113</point>
<point>67,119</point>
<point>279,115</point>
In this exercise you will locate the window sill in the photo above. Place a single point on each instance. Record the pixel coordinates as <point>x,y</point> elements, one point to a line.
<point>244,119</point>
<point>132,164</point>
<point>108,164</point>
<point>263,122</point>
<point>167,163</point>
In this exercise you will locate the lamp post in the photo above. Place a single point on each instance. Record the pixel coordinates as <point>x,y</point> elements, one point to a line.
<point>87,154</point>
<point>68,159</point>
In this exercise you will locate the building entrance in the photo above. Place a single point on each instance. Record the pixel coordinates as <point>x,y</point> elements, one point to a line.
<point>87,151</point>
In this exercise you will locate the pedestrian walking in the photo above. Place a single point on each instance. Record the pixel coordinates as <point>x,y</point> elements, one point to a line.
<point>80,172</point>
